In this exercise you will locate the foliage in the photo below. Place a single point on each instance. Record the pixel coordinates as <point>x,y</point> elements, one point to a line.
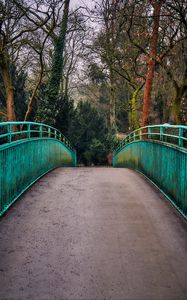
<point>20,92</point>
<point>90,136</point>
<point>65,115</point>
<point>121,47</point>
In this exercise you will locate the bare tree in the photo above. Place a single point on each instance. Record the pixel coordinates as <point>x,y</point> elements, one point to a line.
<point>19,21</point>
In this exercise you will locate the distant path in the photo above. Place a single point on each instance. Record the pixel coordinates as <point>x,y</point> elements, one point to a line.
<point>93,233</point>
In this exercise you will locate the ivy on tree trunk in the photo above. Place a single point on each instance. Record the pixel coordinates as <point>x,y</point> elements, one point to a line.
<point>49,110</point>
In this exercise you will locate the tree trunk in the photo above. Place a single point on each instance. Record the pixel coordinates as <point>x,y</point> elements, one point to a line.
<point>135,123</point>
<point>130,117</point>
<point>176,110</point>
<point>30,104</point>
<point>176,106</point>
<point>9,89</point>
<point>32,97</point>
<point>112,104</point>
<point>151,64</point>
<point>49,109</point>
<point>57,63</point>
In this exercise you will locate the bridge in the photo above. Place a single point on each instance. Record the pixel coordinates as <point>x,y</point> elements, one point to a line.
<point>93,233</point>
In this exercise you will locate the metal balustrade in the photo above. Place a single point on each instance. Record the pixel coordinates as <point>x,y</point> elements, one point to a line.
<point>12,131</point>
<point>166,133</point>
<point>29,150</point>
<point>160,153</point>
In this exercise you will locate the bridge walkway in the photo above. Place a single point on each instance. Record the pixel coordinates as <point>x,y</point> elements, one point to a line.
<point>93,233</point>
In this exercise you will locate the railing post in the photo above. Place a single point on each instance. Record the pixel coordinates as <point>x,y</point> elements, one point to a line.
<point>75,158</point>
<point>181,137</point>
<point>29,130</point>
<point>40,130</point>
<point>10,133</point>
<point>149,133</point>
<point>49,132</point>
<point>140,134</point>
<point>134,136</point>
<point>161,133</point>
<point>55,133</point>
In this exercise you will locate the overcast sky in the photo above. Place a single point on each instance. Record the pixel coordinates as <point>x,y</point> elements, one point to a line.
<point>76,3</point>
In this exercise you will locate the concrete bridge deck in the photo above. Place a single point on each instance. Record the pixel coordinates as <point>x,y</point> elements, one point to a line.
<point>93,233</point>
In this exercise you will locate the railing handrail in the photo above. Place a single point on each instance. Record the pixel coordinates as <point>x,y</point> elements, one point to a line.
<point>163,125</point>
<point>52,132</point>
<point>133,136</point>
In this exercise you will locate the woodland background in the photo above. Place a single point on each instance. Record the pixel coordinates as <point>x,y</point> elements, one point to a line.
<point>96,71</point>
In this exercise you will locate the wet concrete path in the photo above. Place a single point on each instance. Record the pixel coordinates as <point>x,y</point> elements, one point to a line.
<point>93,233</point>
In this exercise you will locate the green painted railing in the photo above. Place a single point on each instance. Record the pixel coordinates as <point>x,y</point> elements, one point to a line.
<point>28,151</point>
<point>160,153</point>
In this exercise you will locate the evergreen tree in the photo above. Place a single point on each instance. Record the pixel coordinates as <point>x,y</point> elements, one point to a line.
<point>90,136</point>
<point>65,115</point>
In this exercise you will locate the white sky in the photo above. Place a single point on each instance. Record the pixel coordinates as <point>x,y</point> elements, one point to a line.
<point>77,3</point>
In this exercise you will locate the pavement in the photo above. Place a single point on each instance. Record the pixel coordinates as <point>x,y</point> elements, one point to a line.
<point>93,233</point>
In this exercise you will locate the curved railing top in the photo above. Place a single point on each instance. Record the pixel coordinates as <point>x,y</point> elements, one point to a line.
<point>175,135</point>
<point>13,131</point>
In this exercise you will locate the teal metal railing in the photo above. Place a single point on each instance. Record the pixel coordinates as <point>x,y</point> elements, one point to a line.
<point>11,131</point>
<point>160,153</point>
<point>29,150</point>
